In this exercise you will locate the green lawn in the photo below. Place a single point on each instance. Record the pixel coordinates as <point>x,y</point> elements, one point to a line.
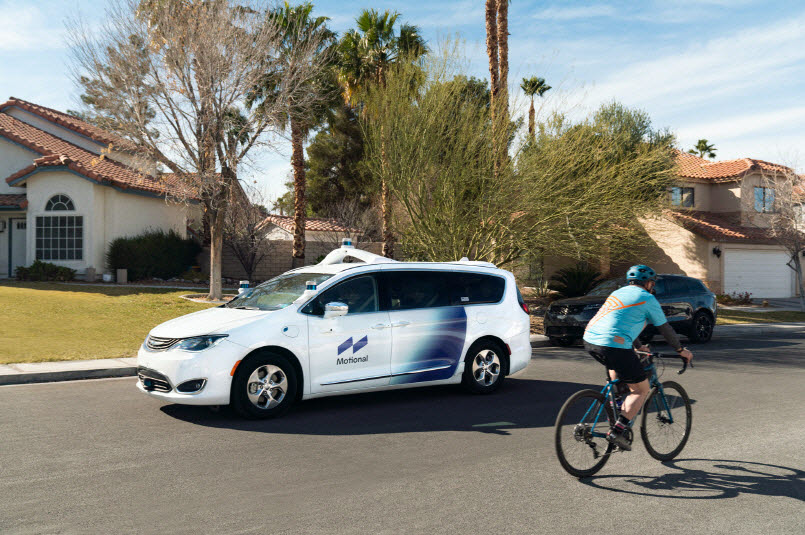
<point>729,317</point>
<point>49,321</point>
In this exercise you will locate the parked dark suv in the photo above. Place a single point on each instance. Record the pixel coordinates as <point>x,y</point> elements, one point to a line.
<point>689,306</point>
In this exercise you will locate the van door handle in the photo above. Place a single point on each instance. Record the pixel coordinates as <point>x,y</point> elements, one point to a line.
<point>380,326</point>
<point>402,323</point>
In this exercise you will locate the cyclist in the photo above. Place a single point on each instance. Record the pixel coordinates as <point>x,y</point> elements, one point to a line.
<point>612,336</point>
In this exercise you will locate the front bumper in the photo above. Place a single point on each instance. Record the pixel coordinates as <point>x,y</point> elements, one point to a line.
<point>214,365</point>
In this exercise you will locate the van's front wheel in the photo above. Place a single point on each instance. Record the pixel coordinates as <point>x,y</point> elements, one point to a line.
<point>264,386</point>
<point>484,368</point>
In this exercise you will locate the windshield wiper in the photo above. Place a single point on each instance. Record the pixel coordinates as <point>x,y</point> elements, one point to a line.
<point>244,307</point>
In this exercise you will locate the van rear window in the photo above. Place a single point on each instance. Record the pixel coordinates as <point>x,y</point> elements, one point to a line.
<point>476,288</point>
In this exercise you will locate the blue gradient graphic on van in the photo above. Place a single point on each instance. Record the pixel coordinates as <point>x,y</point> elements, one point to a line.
<point>435,338</point>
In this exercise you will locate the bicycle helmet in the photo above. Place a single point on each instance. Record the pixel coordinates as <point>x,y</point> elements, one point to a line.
<point>640,273</point>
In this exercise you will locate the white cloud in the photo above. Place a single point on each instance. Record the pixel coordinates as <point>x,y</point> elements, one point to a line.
<point>575,12</point>
<point>756,54</point>
<point>27,27</point>
<point>745,125</point>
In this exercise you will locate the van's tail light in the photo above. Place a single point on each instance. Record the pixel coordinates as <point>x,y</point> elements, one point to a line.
<point>521,301</point>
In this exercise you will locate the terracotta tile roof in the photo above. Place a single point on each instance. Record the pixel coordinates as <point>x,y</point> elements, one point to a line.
<point>13,200</point>
<point>720,227</point>
<point>73,123</point>
<point>313,224</point>
<point>58,152</point>
<point>691,166</point>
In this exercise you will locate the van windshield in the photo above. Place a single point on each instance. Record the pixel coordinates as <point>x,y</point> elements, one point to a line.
<point>276,293</point>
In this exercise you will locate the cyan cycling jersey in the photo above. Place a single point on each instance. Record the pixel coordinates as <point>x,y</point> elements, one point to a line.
<point>623,317</point>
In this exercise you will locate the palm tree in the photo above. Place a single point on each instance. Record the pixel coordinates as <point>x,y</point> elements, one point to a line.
<point>533,86</point>
<point>365,55</point>
<point>299,30</point>
<point>497,48</point>
<point>703,148</point>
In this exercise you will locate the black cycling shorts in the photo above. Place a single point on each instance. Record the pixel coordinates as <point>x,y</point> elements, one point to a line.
<point>625,362</point>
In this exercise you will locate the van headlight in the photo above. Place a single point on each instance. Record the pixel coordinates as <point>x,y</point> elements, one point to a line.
<point>200,343</point>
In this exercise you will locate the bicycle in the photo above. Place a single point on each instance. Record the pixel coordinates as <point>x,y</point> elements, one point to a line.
<point>587,416</point>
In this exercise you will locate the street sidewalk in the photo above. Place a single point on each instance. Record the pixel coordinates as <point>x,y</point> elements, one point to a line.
<point>70,370</point>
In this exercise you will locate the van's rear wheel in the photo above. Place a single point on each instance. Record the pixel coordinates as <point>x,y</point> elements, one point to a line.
<point>264,386</point>
<point>484,367</point>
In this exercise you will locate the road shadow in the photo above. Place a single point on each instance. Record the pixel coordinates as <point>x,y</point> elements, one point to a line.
<point>709,479</point>
<point>521,403</point>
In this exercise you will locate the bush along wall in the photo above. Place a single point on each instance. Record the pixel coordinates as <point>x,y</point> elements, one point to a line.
<point>44,271</point>
<point>154,254</point>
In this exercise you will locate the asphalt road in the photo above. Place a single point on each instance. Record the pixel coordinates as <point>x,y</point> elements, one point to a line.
<point>99,457</point>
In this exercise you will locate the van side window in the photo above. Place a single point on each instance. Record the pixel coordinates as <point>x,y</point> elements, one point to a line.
<point>358,293</point>
<point>417,289</point>
<point>476,288</point>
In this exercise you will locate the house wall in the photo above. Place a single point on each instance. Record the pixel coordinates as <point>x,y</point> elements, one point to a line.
<point>675,250</point>
<point>108,214</point>
<point>13,157</point>
<point>725,197</point>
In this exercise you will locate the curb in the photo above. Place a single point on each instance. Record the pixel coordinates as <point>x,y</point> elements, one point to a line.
<point>72,370</point>
<point>69,370</point>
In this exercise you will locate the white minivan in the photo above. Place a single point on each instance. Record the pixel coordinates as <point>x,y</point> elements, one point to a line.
<point>354,322</point>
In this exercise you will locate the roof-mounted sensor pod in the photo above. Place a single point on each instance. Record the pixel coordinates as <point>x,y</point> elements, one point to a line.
<point>346,242</point>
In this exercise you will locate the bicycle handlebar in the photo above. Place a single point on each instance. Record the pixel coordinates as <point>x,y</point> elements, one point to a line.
<point>669,356</point>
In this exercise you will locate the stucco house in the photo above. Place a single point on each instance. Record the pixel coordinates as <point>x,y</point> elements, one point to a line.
<point>718,227</point>
<point>68,188</point>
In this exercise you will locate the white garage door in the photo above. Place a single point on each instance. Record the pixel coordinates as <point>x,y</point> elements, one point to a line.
<point>762,273</point>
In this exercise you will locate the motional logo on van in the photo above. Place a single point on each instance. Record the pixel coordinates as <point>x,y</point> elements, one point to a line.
<point>357,346</point>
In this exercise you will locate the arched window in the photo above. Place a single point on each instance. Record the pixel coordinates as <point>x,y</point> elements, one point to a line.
<point>60,237</point>
<point>58,203</point>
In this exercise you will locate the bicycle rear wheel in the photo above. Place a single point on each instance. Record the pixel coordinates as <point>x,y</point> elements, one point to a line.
<point>667,419</point>
<point>580,434</point>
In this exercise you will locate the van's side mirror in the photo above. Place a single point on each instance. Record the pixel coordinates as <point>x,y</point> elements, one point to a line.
<point>335,310</point>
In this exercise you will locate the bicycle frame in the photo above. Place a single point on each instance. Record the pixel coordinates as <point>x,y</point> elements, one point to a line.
<point>607,391</point>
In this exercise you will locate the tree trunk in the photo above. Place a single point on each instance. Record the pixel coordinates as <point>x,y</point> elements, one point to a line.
<point>492,48</point>
<point>300,208</point>
<point>531,120</point>
<point>216,247</point>
<point>798,270</point>
<point>385,202</point>
<point>503,53</point>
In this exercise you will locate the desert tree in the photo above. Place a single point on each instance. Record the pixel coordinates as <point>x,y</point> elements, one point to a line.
<point>244,232</point>
<point>170,75</point>
<point>776,203</point>
<point>366,54</point>
<point>299,28</point>
<point>581,188</point>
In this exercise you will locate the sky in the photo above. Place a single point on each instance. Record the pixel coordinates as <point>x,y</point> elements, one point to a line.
<point>730,71</point>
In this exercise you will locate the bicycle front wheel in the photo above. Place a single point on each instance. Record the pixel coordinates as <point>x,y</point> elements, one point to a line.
<point>580,434</point>
<point>667,419</point>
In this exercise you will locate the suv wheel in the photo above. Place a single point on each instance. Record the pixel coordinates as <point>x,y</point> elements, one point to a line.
<point>701,329</point>
<point>484,368</point>
<point>264,386</point>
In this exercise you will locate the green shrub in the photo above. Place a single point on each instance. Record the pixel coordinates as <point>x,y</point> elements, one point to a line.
<point>153,254</point>
<point>44,271</point>
<point>735,298</point>
<point>575,281</point>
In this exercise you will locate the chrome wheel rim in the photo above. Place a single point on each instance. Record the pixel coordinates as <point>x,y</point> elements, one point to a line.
<point>267,386</point>
<point>486,367</point>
